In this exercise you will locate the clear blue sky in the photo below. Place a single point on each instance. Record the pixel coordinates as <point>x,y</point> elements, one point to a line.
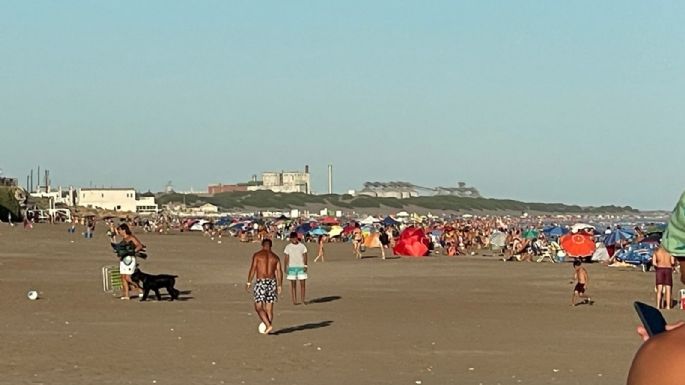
<point>577,102</point>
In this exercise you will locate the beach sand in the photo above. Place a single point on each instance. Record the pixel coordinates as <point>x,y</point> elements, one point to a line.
<point>436,320</point>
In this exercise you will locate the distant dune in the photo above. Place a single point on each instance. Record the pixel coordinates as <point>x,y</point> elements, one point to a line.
<point>281,201</point>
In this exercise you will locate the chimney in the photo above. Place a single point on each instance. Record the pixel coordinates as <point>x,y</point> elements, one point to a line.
<point>306,168</point>
<point>330,179</point>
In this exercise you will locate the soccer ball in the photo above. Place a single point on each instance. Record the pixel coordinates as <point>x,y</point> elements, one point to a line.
<point>32,295</point>
<point>262,328</point>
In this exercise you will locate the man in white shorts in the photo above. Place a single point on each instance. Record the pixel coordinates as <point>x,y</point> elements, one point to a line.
<point>296,266</point>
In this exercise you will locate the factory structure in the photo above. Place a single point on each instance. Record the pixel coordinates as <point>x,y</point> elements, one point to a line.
<point>403,190</point>
<point>276,181</point>
<point>300,182</point>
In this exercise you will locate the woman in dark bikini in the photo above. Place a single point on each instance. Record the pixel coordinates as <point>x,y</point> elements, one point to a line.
<point>357,240</point>
<point>127,264</point>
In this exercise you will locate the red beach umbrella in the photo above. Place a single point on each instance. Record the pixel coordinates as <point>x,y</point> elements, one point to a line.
<point>577,245</point>
<point>329,221</point>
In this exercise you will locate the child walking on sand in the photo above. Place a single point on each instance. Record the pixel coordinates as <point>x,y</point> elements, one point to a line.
<point>581,279</point>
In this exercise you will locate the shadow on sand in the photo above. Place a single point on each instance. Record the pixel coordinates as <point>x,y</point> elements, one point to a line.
<point>325,299</point>
<point>183,295</point>
<point>304,327</point>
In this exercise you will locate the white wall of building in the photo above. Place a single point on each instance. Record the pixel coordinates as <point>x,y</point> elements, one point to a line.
<point>116,199</point>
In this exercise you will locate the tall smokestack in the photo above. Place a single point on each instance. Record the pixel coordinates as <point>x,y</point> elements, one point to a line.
<point>47,173</point>
<point>38,184</point>
<point>306,168</point>
<point>31,184</point>
<point>330,179</point>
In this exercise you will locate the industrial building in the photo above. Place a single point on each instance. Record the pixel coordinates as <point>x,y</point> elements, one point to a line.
<point>403,190</point>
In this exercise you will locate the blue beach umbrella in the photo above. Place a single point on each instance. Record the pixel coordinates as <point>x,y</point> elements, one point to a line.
<point>556,231</point>
<point>318,231</point>
<point>616,236</point>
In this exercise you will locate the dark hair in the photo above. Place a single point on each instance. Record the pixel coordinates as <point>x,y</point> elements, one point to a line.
<point>577,263</point>
<point>124,227</point>
<point>267,241</point>
<point>293,235</point>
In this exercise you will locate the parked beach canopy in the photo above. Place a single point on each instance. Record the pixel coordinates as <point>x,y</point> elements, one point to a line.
<point>412,243</point>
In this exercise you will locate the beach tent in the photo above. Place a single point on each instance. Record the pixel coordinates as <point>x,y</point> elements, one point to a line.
<point>412,243</point>
<point>674,236</point>
<point>390,221</point>
<point>368,220</point>
<point>581,226</point>
<point>335,231</point>
<point>199,225</point>
<point>225,221</point>
<point>498,239</point>
<point>304,228</point>
<point>530,234</point>
<point>601,253</point>
<point>577,245</point>
<point>640,254</point>
<point>372,241</point>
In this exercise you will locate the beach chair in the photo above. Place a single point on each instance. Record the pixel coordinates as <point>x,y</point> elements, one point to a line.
<point>548,251</point>
<point>111,279</point>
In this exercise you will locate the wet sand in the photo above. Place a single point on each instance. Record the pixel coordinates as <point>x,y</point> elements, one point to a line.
<point>437,320</point>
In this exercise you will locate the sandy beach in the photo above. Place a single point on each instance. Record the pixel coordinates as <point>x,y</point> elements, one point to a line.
<point>434,320</point>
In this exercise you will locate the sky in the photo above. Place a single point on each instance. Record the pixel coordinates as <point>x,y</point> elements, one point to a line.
<point>578,102</point>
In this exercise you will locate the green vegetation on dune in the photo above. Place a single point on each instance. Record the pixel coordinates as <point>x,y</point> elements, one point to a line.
<point>271,200</point>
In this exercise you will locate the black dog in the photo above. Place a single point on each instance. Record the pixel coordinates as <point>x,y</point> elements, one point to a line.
<point>154,283</point>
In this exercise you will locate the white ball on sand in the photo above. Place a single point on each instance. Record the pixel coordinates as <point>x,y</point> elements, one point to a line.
<point>219,242</point>
<point>32,295</point>
<point>262,328</point>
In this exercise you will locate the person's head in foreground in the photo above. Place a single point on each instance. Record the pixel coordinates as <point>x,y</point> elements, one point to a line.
<point>576,263</point>
<point>294,238</point>
<point>266,244</point>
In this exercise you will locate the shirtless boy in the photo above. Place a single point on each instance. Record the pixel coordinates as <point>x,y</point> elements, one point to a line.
<point>267,267</point>
<point>580,277</point>
<point>663,262</point>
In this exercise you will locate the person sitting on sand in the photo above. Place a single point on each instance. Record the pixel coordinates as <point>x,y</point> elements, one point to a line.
<point>266,266</point>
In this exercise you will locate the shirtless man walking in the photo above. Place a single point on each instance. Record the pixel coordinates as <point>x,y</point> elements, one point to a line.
<point>267,267</point>
<point>663,262</point>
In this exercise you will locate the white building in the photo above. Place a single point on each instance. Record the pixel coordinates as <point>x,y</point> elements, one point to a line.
<point>57,197</point>
<point>115,199</point>
<point>206,208</point>
<point>285,182</point>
